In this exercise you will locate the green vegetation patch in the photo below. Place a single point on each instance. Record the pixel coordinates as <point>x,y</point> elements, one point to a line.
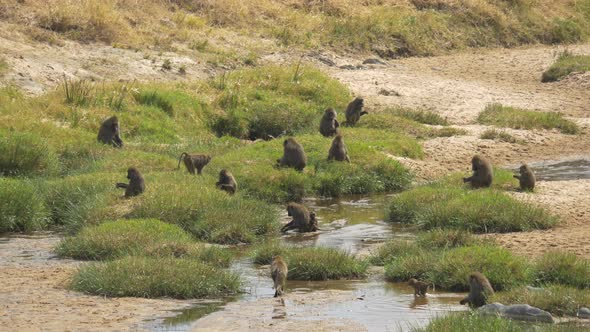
<point>472,321</point>
<point>370,170</point>
<point>271,101</point>
<point>22,206</point>
<point>138,237</point>
<point>562,268</point>
<point>566,64</point>
<point>517,118</point>
<point>420,116</point>
<point>499,135</point>
<point>210,214</point>
<point>447,204</point>
<point>559,300</point>
<point>449,269</point>
<point>23,153</point>
<point>314,263</point>
<point>155,277</point>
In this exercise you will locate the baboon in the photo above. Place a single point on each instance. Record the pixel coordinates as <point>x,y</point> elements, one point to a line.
<point>293,155</point>
<point>329,125</point>
<point>480,290</point>
<point>278,272</point>
<point>227,182</point>
<point>338,150</point>
<point>354,111</point>
<point>192,161</point>
<point>136,183</point>
<point>109,132</point>
<point>526,178</point>
<point>420,287</point>
<point>302,219</point>
<point>482,173</point>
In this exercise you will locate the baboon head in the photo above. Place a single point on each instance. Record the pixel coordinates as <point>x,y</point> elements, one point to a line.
<point>330,113</point>
<point>358,102</point>
<point>338,139</point>
<point>132,173</point>
<point>476,162</point>
<point>524,169</point>
<point>412,282</point>
<point>115,124</point>
<point>223,173</point>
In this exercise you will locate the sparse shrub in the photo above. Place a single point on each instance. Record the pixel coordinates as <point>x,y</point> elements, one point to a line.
<point>155,277</point>
<point>499,135</point>
<point>22,207</point>
<point>562,268</point>
<point>26,154</point>
<point>565,31</point>
<point>392,249</point>
<point>167,65</point>
<point>421,116</point>
<point>154,98</point>
<point>566,64</point>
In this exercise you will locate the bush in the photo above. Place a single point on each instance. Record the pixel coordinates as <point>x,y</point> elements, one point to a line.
<point>566,64</point>
<point>393,249</point>
<point>499,135</point>
<point>506,116</point>
<point>417,264</point>
<point>22,207</point>
<point>23,153</point>
<point>562,268</point>
<point>270,101</point>
<point>210,214</point>
<point>446,238</point>
<point>559,300</point>
<point>155,277</point>
<point>313,263</point>
<point>479,211</point>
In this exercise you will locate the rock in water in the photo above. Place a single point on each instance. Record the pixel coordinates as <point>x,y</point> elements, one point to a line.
<point>584,313</point>
<point>523,312</point>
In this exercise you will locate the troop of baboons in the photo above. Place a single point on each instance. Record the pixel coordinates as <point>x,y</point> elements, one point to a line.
<point>303,220</point>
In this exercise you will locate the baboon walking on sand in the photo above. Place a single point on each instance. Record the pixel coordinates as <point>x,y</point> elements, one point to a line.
<point>278,272</point>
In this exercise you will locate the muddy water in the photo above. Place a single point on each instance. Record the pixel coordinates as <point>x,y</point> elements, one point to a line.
<point>355,225</point>
<point>562,170</point>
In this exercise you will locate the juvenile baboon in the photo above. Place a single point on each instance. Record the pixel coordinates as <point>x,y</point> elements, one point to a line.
<point>136,183</point>
<point>338,150</point>
<point>480,290</point>
<point>227,182</point>
<point>420,287</point>
<point>192,161</point>
<point>302,219</point>
<point>109,132</point>
<point>482,173</point>
<point>329,125</point>
<point>293,155</point>
<point>526,178</point>
<point>354,111</point>
<point>278,272</point>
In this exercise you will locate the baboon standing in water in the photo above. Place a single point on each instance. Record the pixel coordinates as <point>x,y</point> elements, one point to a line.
<point>278,272</point>
<point>420,287</point>
<point>329,125</point>
<point>480,290</point>
<point>136,183</point>
<point>302,219</point>
<point>338,150</point>
<point>109,132</point>
<point>482,173</point>
<point>293,155</point>
<point>526,178</point>
<point>354,111</point>
<point>227,182</point>
<point>194,161</point>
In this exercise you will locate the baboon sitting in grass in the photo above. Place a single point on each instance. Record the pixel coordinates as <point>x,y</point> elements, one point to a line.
<point>227,182</point>
<point>482,173</point>
<point>338,150</point>
<point>109,132</point>
<point>293,155</point>
<point>136,183</point>
<point>329,125</point>
<point>354,111</point>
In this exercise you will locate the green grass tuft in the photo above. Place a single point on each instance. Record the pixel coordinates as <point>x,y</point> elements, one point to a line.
<point>420,116</point>
<point>138,237</point>
<point>506,116</point>
<point>155,277</point>
<point>566,64</point>
<point>22,208</point>
<point>499,135</point>
<point>448,205</point>
<point>25,154</point>
<point>563,268</point>
<point>315,263</point>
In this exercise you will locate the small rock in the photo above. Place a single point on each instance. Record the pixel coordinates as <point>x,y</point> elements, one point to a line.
<point>584,313</point>
<point>523,312</point>
<point>351,67</point>
<point>385,92</point>
<point>326,61</point>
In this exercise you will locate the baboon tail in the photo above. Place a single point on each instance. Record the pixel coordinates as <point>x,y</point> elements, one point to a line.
<point>180,159</point>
